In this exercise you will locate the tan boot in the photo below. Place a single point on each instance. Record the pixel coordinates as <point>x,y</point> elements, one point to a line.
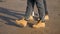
<point>31,19</point>
<point>21,22</point>
<point>39,24</point>
<point>46,17</point>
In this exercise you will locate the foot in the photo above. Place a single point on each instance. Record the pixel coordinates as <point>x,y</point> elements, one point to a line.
<point>31,18</point>
<point>46,17</point>
<point>39,24</point>
<point>21,22</point>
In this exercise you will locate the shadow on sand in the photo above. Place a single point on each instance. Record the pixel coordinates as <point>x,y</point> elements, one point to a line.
<point>10,16</point>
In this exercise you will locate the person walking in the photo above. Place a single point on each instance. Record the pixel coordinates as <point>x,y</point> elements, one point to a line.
<point>29,9</point>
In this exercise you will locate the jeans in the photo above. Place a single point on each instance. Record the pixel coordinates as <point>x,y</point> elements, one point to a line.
<point>41,5</point>
<point>46,11</point>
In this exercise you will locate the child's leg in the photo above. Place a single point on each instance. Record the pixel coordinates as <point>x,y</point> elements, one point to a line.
<point>41,11</point>
<point>46,11</point>
<point>30,8</point>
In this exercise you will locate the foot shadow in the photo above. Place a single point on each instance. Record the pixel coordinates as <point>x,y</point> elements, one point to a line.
<point>30,25</point>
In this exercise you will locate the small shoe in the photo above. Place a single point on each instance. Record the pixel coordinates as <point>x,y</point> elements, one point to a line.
<point>21,22</point>
<point>39,24</point>
<point>31,19</point>
<point>46,17</point>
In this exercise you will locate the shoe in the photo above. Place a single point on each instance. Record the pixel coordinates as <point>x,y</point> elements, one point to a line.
<point>39,24</point>
<point>31,19</point>
<point>21,22</point>
<point>46,17</point>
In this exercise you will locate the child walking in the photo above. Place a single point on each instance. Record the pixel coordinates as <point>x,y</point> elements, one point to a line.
<point>43,14</point>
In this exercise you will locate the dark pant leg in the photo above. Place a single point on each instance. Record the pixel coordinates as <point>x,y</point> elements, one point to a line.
<point>29,9</point>
<point>46,11</point>
<point>41,9</point>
